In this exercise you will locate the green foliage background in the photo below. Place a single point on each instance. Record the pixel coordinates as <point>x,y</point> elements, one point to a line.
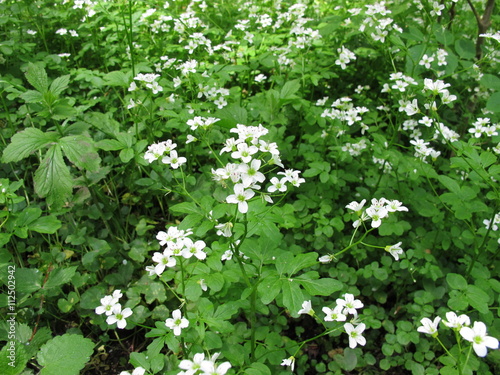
<point>80,206</point>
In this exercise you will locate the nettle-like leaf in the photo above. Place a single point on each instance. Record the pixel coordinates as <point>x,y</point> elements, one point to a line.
<point>80,150</point>
<point>66,354</point>
<point>53,179</point>
<point>59,84</point>
<point>26,142</point>
<point>37,77</point>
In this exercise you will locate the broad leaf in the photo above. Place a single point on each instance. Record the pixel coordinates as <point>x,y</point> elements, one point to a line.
<point>26,142</point>
<point>37,77</point>
<point>45,224</point>
<point>52,178</point>
<point>60,276</point>
<point>81,152</point>
<point>32,96</point>
<point>66,354</point>
<point>59,85</point>
<point>292,296</point>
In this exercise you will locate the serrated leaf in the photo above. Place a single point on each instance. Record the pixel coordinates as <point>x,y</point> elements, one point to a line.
<point>52,178</point>
<point>32,96</point>
<point>13,365</point>
<point>59,84</point>
<point>25,142</point>
<point>28,280</point>
<point>80,150</point>
<point>66,354</point>
<point>60,276</point>
<point>37,77</point>
<point>46,224</point>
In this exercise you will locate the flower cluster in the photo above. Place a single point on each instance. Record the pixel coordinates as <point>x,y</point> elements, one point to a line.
<point>178,244</point>
<point>149,81</point>
<point>344,307</point>
<point>113,309</point>
<point>201,366</point>
<point>249,151</point>
<point>345,57</point>
<point>378,210</point>
<point>483,126</point>
<point>477,334</point>
<point>166,152</point>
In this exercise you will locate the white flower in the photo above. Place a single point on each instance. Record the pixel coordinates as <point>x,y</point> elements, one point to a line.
<point>376,214</point>
<point>194,248</point>
<point>478,336</point>
<point>306,308</point>
<point>164,259</point>
<point>118,316</point>
<point>326,258</point>
<point>394,250</point>
<point>289,362</point>
<point>277,185</point>
<point>210,368</point>
<point>354,333</point>
<point>193,366</point>
<point>428,326</point>
<point>334,314</point>
<point>107,304</point>
<point>456,322</point>
<point>174,160</point>
<point>244,152</point>
<point>260,78</point>
<point>355,206</point>
<point>240,197</point>
<point>177,322</point>
<point>137,371</point>
<point>349,304</point>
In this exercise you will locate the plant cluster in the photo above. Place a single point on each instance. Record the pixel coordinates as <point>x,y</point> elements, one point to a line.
<point>249,187</point>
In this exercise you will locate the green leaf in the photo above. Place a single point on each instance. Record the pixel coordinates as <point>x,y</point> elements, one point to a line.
<point>490,81</point>
<point>293,265</point>
<point>465,48</point>
<point>186,208</point>
<point>15,364</point>
<point>321,287</point>
<point>456,281</point>
<point>116,78</point>
<point>289,89</point>
<point>37,77</point>
<point>269,288</point>
<point>80,150</point>
<point>25,142</point>
<point>59,85</point>
<point>493,103</point>
<point>478,298</point>
<point>110,145</point>
<point>451,184</point>
<point>28,280</point>
<point>292,296</point>
<point>52,178</point>
<point>66,354</point>
<point>46,224</point>
<point>60,276</point>
<point>32,96</point>
<point>258,368</point>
